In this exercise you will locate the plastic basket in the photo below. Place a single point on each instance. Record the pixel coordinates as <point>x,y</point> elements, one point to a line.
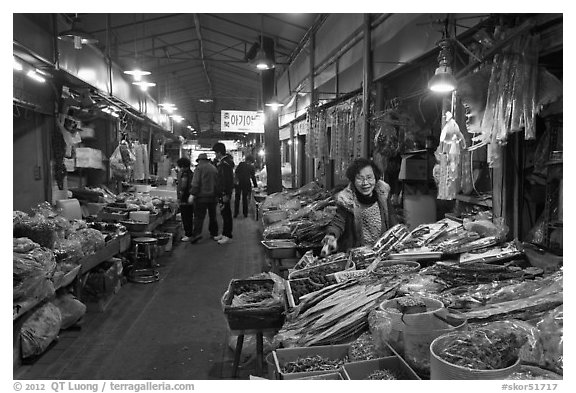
<point>336,266</point>
<point>412,266</point>
<point>252,317</point>
<point>280,248</point>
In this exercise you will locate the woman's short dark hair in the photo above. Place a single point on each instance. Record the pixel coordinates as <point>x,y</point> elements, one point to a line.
<point>183,162</point>
<point>357,165</point>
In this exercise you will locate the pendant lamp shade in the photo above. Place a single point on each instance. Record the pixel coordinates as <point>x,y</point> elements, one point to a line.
<point>274,103</point>
<point>262,61</point>
<point>443,81</point>
<point>77,35</point>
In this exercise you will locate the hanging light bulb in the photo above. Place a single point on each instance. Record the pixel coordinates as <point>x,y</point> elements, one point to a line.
<point>274,103</point>
<point>443,80</point>
<point>77,35</point>
<point>144,85</point>
<point>137,73</point>
<point>262,61</point>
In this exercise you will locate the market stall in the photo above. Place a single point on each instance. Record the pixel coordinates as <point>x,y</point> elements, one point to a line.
<point>423,296</point>
<point>56,257</point>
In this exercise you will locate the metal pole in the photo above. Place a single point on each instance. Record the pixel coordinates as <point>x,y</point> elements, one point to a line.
<point>271,132</point>
<point>311,47</point>
<point>367,68</point>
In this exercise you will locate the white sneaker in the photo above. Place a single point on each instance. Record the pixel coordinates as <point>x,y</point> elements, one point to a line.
<point>224,240</point>
<point>185,239</point>
<point>217,237</point>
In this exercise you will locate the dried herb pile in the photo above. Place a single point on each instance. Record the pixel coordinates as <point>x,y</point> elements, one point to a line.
<point>312,363</point>
<point>482,348</point>
<point>363,348</point>
<point>382,375</point>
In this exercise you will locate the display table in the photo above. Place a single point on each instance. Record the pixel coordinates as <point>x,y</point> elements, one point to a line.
<point>88,262</point>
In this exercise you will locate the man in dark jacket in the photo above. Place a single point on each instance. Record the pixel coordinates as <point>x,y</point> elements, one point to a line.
<point>244,174</point>
<point>183,192</point>
<point>225,165</point>
<point>203,190</point>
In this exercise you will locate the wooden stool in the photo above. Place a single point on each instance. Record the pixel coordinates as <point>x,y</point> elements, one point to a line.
<point>259,348</point>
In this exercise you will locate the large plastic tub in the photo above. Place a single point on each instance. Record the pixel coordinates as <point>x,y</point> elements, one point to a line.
<point>419,335</point>
<point>390,307</point>
<point>441,369</point>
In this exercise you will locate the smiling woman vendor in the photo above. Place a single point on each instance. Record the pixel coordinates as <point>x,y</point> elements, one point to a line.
<point>363,209</point>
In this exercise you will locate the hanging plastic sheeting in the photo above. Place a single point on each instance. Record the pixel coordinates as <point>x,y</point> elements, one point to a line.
<point>511,105</point>
<point>142,162</point>
<point>447,172</point>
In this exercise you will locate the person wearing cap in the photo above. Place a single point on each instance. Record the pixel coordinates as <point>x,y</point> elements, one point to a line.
<point>244,174</point>
<point>225,165</point>
<point>203,195</point>
<point>184,183</point>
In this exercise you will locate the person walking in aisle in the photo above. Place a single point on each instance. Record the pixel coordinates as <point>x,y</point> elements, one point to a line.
<point>244,173</point>
<point>184,183</point>
<point>225,165</point>
<point>203,195</point>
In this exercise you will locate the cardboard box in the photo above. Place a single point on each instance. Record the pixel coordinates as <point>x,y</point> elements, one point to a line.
<point>362,369</point>
<point>285,355</point>
<point>103,280</point>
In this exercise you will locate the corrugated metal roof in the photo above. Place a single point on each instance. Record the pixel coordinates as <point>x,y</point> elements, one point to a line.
<point>193,56</point>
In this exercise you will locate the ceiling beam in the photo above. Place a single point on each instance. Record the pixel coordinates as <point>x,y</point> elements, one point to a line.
<point>259,31</point>
<point>271,16</point>
<point>156,35</point>
<point>132,24</point>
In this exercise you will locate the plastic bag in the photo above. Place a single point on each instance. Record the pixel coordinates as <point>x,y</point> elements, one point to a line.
<point>71,309</point>
<point>278,230</point>
<point>69,250</point>
<point>40,329</point>
<point>551,329</point>
<point>121,161</point>
<point>385,330</point>
<point>249,346</point>
<point>487,227</point>
<point>425,285</point>
<point>90,239</point>
<point>31,274</point>
<point>23,245</point>
<point>38,228</point>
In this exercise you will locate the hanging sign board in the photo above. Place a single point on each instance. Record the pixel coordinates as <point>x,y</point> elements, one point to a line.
<point>251,122</point>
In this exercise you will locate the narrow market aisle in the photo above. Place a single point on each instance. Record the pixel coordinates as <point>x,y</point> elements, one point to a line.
<point>172,329</point>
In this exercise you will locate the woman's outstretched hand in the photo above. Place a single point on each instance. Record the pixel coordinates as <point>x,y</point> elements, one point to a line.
<point>330,244</point>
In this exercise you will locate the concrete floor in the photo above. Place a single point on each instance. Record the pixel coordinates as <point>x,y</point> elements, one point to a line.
<point>173,329</point>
